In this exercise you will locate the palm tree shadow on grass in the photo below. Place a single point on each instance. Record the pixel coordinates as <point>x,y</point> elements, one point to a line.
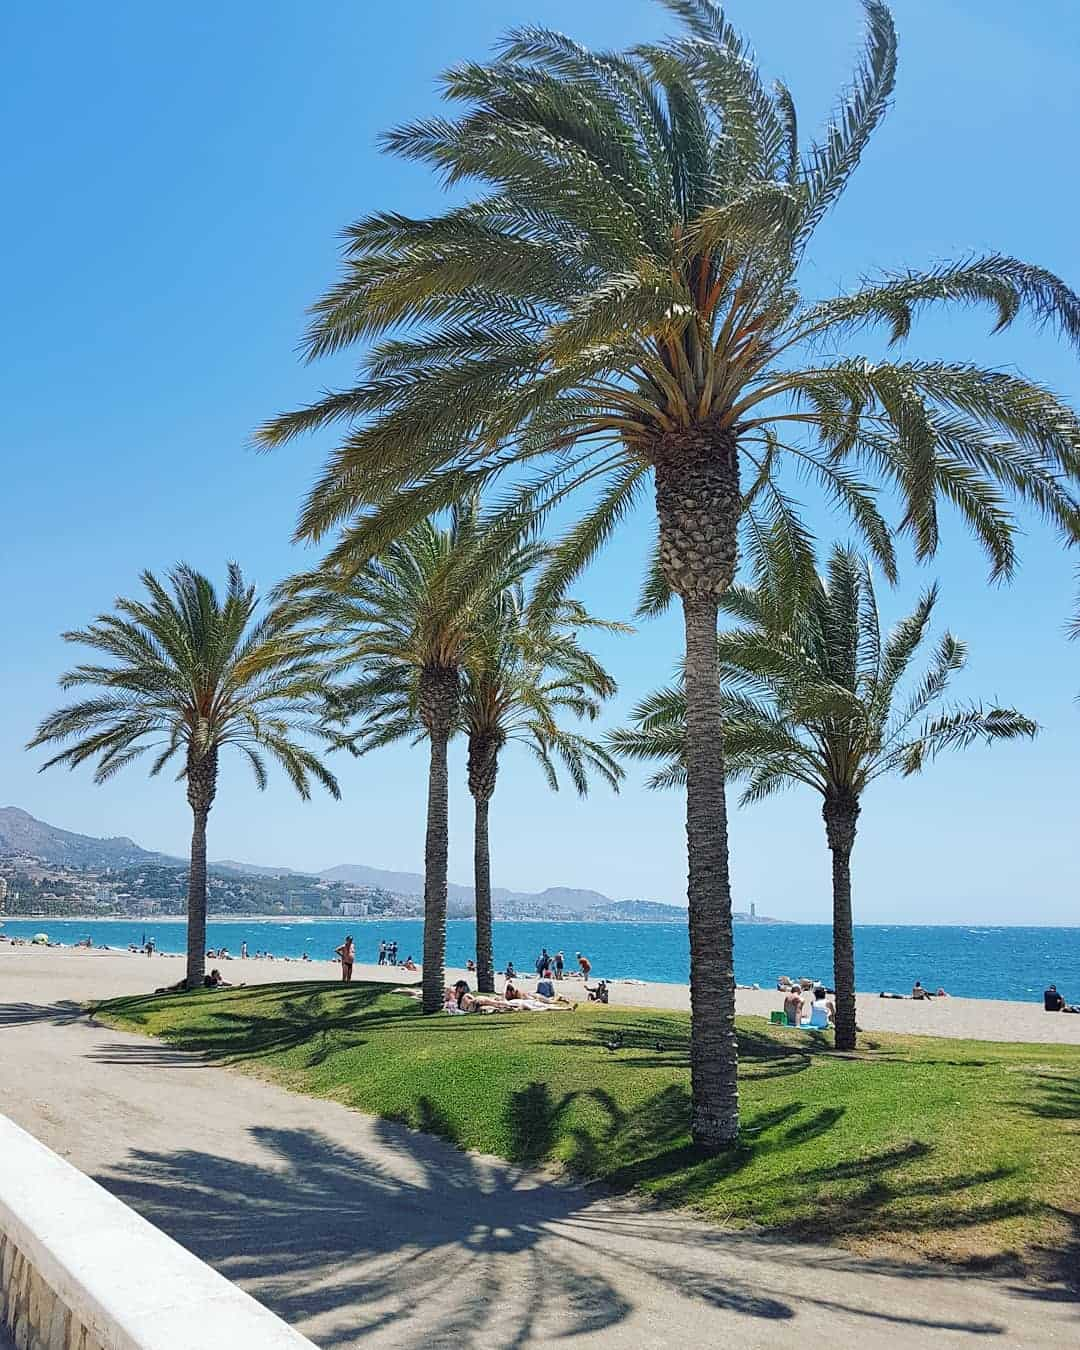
<point>874,1195</point>
<point>306,1017</point>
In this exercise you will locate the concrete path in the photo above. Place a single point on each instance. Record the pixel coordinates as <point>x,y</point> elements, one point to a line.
<point>365,1234</point>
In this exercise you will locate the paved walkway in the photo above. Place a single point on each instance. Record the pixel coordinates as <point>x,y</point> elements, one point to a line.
<point>365,1234</point>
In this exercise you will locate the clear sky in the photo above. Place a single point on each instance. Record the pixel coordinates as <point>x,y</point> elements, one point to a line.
<point>175,180</point>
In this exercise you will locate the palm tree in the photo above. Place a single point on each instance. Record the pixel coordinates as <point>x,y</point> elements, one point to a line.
<point>526,670</point>
<point>406,623</point>
<point>812,695</point>
<point>616,311</point>
<point>193,673</point>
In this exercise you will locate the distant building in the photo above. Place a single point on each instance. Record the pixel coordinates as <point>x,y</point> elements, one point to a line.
<point>356,909</point>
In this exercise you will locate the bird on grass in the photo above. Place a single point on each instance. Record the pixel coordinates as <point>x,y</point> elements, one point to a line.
<point>616,1043</point>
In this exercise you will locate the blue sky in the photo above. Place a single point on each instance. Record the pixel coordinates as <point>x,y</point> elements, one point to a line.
<point>176,178</point>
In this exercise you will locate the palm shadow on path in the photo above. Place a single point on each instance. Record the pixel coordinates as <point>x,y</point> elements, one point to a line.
<point>347,1243</point>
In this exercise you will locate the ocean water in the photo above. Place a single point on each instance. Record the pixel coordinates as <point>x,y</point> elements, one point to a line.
<point>1007,963</point>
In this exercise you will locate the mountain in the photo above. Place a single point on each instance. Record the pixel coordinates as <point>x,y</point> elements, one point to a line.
<point>412,883</point>
<point>20,832</point>
<point>255,870</point>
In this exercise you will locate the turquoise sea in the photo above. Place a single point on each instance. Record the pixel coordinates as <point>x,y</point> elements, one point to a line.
<point>1009,963</point>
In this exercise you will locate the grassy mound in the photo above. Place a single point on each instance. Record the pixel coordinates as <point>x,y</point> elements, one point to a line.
<point>953,1149</point>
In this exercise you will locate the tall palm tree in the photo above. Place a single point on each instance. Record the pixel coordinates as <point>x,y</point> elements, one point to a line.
<point>616,311</point>
<point>192,673</point>
<point>525,671</point>
<point>405,622</point>
<point>811,694</point>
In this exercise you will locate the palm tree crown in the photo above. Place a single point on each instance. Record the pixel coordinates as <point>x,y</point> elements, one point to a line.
<point>191,673</point>
<point>630,280</point>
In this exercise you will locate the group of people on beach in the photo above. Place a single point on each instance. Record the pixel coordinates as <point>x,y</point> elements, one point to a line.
<point>460,999</point>
<point>806,996</point>
<point>388,954</point>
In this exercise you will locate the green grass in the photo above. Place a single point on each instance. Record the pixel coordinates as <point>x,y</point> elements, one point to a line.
<point>952,1149</point>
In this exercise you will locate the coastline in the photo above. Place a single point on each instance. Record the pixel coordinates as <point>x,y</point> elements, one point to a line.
<point>26,972</point>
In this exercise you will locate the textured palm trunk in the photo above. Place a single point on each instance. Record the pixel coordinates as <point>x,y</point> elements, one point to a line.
<point>483,767</point>
<point>841,812</point>
<point>201,788</point>
<point>438,706</point>
<point>697,500</point>
<point>485,960</point>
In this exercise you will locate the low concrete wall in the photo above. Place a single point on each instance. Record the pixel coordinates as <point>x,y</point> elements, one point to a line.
<point>79,1270</point>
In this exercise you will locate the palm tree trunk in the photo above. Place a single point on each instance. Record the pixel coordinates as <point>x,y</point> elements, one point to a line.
<point>438,706</point>
<point>483,770</point>
<point>713,1046</point>
<point>698,506</point>
<point>841,813</point>
<point>201,789</point>
<point>485,961</point>
<point>196,902</point>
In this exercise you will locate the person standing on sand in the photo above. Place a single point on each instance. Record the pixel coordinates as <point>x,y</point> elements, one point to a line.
<point>542,962</point>
<point>560,961</point>
<point>347,953</point>
<point>243,951</point>
<point>585,964</point>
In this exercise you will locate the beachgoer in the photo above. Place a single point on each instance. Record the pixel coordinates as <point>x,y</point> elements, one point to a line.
<point>822,1010</point>
<point>214,981</point>
<point>410,964</point>
<point>305,957</point>
<point>511,973</point>
<point>560,960</point>
<point>456,996</point>
<point>542,961</point>
<point>1052,1000</point>
<point>243,951</point>
<point>585,964</point>
<point>382,954</point>
<point>347,954</point>
<point>793,1005</point>
<point>392,954</point>
<point>599,994</point>
<point>470,964</point>
<point>918,992</point>
<point>544,986</point>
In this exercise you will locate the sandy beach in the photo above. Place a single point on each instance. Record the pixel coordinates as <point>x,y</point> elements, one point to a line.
<point>25,972</point>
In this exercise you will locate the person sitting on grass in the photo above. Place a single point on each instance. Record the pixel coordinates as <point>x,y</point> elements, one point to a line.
<point>214,980</point>
<point>544,986</point>
<point>793,1005</point>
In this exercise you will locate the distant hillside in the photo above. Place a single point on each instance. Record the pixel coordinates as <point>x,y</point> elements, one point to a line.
<point>412,883</point>
<point>20,832</point>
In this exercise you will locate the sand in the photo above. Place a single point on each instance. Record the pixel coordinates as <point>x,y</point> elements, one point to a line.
<point>99,974</point>
<point>370,1236</point>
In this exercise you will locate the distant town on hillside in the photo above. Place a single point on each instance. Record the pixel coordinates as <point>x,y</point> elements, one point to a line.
<point>46,871</point>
